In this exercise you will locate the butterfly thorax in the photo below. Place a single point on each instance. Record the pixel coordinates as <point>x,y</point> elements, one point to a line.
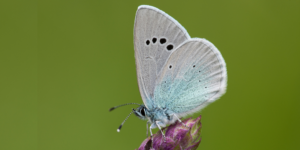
<point>162,115</point>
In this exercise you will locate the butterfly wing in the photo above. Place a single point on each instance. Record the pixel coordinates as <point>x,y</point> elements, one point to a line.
<point>156,35</point>
<point>194,75</point>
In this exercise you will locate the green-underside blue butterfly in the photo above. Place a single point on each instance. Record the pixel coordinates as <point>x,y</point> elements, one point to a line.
<point>177,75</point>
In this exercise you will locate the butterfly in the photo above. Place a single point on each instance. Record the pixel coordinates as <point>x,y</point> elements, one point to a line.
<point>177,75</point>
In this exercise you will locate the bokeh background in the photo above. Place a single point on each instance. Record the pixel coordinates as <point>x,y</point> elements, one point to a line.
<point>63,64</point>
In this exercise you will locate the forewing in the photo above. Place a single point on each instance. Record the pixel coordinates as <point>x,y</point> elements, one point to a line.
<point>156,36</point>
<point>194,75</point>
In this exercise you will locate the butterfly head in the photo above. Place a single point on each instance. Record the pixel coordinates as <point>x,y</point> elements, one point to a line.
<point>141,112</point>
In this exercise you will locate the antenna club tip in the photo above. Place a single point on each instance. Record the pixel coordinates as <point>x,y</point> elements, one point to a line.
<point>111,108</point>
<point>118,130</point>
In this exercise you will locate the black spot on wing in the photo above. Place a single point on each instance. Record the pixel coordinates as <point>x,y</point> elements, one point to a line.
<point>147,42</point>
<point>170,47</point>
<point>154,40</point>
<point>163,41</point>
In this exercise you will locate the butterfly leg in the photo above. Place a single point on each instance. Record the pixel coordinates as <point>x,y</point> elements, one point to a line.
<point>181,121</point>
<point>147,129</point>
<point>151,135</point>
<point>157,123</point>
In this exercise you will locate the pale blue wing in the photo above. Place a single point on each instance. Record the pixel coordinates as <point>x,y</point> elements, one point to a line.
<point>194,75</point>
<point>156,35</point>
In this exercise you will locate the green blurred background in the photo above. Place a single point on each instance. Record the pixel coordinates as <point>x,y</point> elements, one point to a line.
<point>65,63</point>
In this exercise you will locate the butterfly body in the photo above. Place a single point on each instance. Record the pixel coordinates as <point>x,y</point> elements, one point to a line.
<point>163,115</point>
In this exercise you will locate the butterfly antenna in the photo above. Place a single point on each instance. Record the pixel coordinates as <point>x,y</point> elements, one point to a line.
<point>123,105</point>
<point>125,120</point>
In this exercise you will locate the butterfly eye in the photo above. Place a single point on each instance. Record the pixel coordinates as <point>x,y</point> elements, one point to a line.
<point>162,41</point>
<point>154,40</point>
<point>147,42</point>
<point>143,111</point>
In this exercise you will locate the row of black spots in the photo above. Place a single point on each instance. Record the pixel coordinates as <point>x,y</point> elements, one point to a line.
<point>198,71</point>
<point>195,66</point>
<point>162,41</point>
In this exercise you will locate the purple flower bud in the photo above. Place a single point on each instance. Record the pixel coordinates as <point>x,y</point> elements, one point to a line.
<point>178,137</point>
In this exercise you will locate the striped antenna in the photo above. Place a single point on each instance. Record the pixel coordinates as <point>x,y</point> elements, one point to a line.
<point>125,120</point>
<point>123,105</point>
